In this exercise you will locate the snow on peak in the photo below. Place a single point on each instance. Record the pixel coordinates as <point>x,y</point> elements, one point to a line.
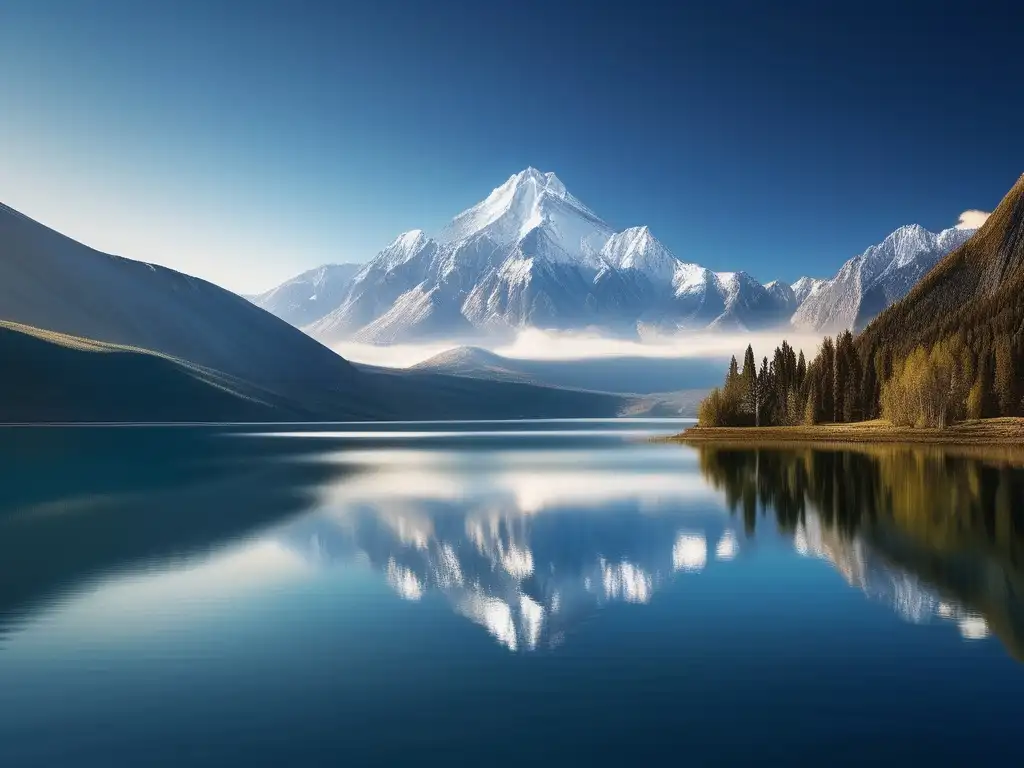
<point>554,184</point>
<point>410,238</point>
<point>909,244</point>
<point>779,288</point>
<point>881,275</point>
<point>526,201</point>
<point>636,248</point>
<point>401,249</point>
<point>531,254</point>
<point>549,181</point>
<point>807,286</point>
<point>954,237</point>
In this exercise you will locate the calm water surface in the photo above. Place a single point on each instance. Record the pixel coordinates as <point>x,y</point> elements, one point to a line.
<point>501,594</point>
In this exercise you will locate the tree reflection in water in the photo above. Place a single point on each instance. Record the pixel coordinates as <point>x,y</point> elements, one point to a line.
<point>953,523</point>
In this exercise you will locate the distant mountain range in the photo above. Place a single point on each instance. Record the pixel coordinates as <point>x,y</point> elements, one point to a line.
<point>533,255</point>
<point>174,347</point>
<point>876,279</point>
<point>975,290</point>
<point>86,336</point>
<point>307,297</point>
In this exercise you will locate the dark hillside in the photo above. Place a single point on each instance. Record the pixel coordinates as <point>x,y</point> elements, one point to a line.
<point>977,290</point>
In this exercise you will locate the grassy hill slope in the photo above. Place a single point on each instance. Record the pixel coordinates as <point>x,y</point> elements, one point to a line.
<point>48,377</point>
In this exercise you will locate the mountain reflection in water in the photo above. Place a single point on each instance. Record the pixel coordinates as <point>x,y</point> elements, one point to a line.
<point>279,600</point>
<point>529,543</point>
<point>931,536</point>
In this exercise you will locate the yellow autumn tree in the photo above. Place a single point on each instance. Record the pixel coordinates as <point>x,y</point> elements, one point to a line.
<point>931,387</point>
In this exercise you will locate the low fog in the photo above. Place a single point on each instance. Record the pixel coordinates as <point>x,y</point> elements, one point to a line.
<point>533,344</point>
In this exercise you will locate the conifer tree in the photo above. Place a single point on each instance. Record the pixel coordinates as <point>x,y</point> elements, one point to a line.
<point>764,387</point>
<point>847,379</point>
<point>827,358</point>
<point>868,395</point>
<point>750,383</point>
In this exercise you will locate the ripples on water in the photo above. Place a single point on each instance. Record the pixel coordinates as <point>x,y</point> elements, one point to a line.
<point>194,595</point>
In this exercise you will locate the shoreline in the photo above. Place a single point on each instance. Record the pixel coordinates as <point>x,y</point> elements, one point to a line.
<point>1004,432</point>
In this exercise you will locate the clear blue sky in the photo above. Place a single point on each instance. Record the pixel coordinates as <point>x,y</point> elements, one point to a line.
<point>246,141</point>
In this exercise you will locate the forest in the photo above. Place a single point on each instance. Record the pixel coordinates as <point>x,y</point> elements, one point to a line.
<point>952,349</point>
<point>849,380</point>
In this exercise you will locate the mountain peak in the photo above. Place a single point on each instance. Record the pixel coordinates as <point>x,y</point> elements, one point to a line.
<point>402,248</point>
<point>807,286</point>
<point>554,184</point>
<point>546,182</point>
<point>636,248</point>
<point>881,275</point>
<point>907,229</point>
<point>409,238</point>
<point>528,200</point>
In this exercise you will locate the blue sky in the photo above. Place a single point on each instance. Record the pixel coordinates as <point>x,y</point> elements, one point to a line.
<point>246,141</point>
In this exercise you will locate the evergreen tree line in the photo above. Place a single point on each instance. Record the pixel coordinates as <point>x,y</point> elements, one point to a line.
<point>968,375</point>
<point>771,394</point>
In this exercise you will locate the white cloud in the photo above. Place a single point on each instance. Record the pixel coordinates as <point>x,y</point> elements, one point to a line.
<point>972,219</point>
<point>535,344</point>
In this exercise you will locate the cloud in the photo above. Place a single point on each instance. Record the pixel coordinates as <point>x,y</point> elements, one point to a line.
<point>534,344</point>
<point>972,219</point>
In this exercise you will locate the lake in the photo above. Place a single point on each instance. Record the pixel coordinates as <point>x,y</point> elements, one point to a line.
<point>501,594</point>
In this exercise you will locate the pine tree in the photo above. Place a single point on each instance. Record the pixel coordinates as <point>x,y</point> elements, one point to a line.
<point>750,383</point>
<point>851,378</point>
<point>868,387</point>
<point>839,374</point>
<point>764,388</point>
<point>827,358</point>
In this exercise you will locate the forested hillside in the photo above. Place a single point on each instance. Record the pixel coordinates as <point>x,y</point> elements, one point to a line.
<point>952,349</point>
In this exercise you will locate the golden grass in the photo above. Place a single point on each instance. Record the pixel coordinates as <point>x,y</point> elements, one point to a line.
<point>66,340</point>
<point>208,376</point>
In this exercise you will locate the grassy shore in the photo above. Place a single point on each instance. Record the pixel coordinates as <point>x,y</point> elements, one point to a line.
<point>982,432</point>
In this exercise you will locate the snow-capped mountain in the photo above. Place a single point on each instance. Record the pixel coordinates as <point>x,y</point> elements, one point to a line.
<point>806,287</point>
<point>309,296</point>
<point>533,255</point>
<point>870,282</point>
